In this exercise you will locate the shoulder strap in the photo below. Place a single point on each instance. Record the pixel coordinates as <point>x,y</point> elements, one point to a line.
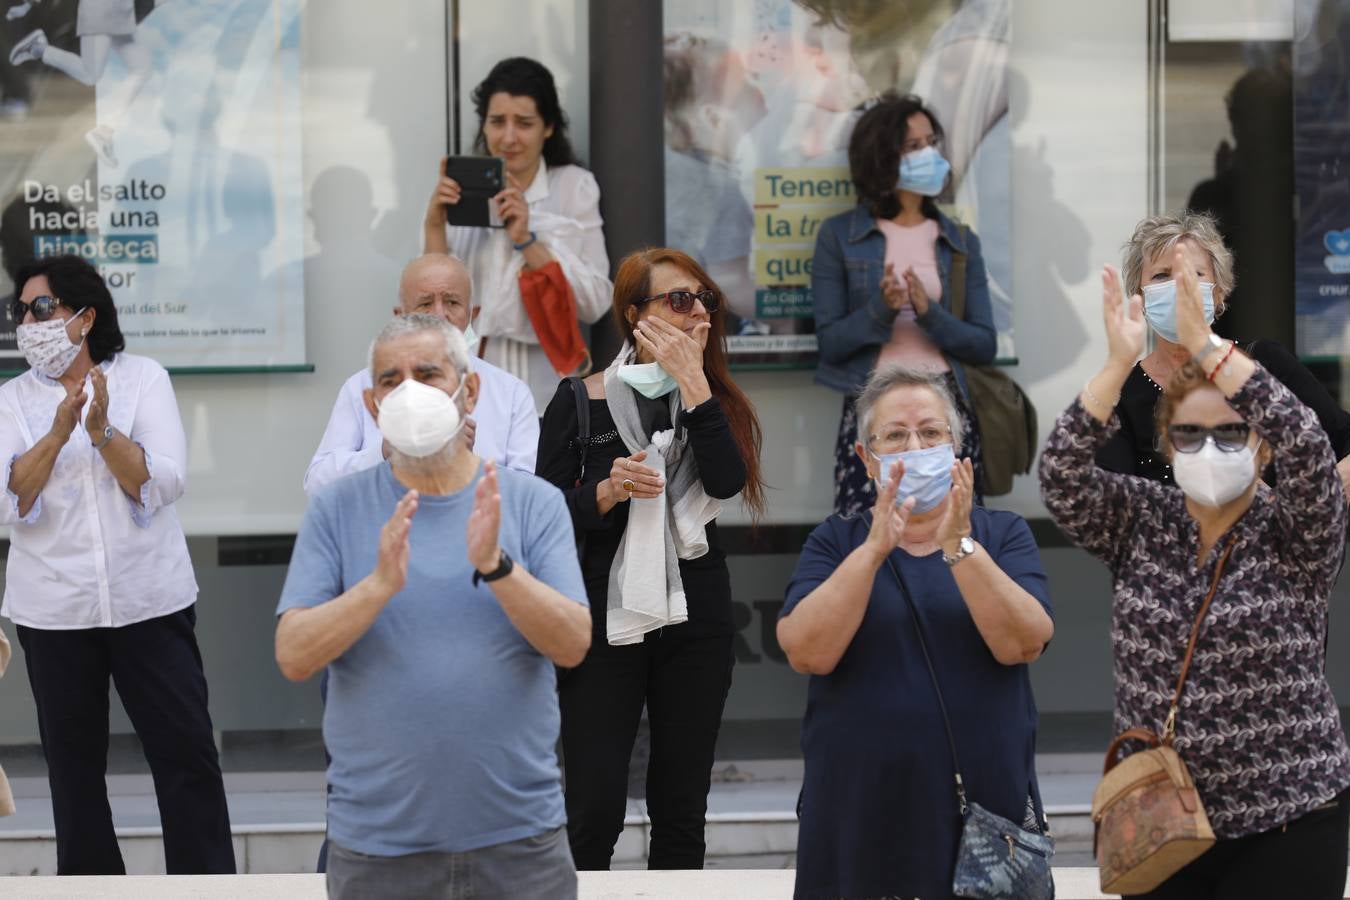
<point>958,276</point>
<point>932,673</point>
<point>583,401</point>
<point>1169,727</point>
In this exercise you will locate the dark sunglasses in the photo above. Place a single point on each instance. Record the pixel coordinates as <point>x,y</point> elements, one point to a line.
<point>1230,437</point>
<point>42,308</point>
<point>683,301</point>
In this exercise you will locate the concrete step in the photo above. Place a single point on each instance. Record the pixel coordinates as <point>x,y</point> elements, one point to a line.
<point>278,819</point>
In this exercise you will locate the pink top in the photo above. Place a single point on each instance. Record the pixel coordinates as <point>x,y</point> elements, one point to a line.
<point>913,246</point>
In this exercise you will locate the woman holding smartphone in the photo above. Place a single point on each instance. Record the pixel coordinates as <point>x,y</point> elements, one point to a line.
<point>546,271</point>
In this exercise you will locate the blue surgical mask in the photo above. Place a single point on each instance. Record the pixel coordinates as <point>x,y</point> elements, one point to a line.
<point>648,379</point>
<point>923,172</point>
<point>927,478</point>
<point>1160,307</point>
<point>471,337</point>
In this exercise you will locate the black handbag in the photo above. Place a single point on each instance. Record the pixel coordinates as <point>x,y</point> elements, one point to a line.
<point>997,859</point>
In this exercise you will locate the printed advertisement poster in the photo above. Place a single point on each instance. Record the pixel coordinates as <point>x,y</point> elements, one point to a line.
<point>160,140</point>
<point>1322,177</point>
<point>761,98</point>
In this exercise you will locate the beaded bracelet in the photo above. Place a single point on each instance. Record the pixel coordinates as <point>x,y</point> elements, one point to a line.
<point>1098,401</point>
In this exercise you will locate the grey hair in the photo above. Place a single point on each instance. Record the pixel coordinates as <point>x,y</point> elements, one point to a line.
<point>1159,234</point>
<point>456,349</point>
<point>888,378</point>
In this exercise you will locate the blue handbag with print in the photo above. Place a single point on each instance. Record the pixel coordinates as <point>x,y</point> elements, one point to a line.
<point>997,859</point>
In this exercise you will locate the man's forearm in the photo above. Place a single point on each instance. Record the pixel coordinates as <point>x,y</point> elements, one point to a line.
<point>309,639</point>
<point>555,625</point>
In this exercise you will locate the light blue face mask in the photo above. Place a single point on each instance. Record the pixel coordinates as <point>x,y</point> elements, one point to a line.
<point>471,338</point>
<point>1160,307</point>
<point>927,478</point>
<point>648,379</point>
<point>923,172</point>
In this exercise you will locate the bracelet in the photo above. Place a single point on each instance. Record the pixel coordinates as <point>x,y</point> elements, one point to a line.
<point>1214,372</point>
<point>524,246</point>
<point>1087,389</point>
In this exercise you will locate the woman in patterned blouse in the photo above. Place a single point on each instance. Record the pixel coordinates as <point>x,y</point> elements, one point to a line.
<point>1258,725</point>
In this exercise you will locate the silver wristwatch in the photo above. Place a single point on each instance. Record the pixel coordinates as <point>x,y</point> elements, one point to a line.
<point>1215,343</point>
<point>108,433</point>
<point>964,549</point>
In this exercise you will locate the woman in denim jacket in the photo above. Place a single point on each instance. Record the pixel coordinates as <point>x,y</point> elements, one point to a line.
<point>882,281</point>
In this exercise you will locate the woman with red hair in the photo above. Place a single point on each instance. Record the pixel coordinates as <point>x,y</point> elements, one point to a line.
<point>670,435</point>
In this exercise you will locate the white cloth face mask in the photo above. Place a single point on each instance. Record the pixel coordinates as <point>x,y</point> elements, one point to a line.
<point>417,419</point>
<point>46,345</point>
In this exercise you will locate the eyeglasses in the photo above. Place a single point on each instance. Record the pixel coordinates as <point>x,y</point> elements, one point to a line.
<point>1229,437</point>
<point>897,438</point>
<point>915,144</point>
<point>683,301</point>
<point>43,308</point>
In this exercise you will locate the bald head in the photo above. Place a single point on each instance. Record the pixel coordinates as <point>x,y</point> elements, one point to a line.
<point>436,284</point>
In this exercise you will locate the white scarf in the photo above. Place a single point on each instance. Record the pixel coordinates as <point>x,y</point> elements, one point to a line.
<point>645,588</point>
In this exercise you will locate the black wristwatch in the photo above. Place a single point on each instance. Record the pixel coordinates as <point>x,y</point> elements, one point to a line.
<point>504,567</point>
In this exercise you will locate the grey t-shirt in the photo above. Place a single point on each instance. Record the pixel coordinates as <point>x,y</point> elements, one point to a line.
<point>442,719</point>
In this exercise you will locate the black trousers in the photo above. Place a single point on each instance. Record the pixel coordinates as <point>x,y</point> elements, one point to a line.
<point>683,679</point>
<point>1305,858</point>
<point>157,669</point>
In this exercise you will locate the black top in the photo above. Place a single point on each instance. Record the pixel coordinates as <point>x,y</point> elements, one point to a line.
<point>707,583</point>
<point>1133,451</point>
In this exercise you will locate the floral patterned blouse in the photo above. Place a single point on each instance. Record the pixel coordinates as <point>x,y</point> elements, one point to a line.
<point>1258,725</point>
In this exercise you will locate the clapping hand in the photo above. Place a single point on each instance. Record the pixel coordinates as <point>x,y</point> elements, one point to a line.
<point>97,418</point>
<point>1192,328</point>
<point>68,412</point>
<point>955,523</point>
<point>18,11</point>
<point>889,518</point>
<point>485,522</point>
<point>1124,320</point>
<point>391,567</point>
<point>894,290</point>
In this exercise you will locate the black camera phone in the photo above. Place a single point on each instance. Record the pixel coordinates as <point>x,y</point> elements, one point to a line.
<point>480,179</point>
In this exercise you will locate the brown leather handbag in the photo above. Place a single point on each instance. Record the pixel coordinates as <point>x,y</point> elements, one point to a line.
<point>1147,816</point>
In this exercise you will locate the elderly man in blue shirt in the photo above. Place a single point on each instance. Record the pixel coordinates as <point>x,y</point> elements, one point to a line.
<point>440,592</point>
<point>504,427</point>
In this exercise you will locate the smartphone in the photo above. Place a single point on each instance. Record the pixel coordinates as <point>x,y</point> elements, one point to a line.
<point>480,179</point>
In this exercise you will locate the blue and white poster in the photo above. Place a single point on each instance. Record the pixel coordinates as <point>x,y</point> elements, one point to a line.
<point>1322,177</point>
<point>160,140</point>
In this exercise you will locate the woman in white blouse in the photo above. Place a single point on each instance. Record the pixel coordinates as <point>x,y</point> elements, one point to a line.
<point>98,579</point>
<point>551,208</point>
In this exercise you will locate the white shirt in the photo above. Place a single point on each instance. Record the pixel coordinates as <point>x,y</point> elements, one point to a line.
<point>87,555</point>
<point>507,429</point>
<point>565,216</point>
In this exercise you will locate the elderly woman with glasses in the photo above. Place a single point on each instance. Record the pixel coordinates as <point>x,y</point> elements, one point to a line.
<point>670,436</point>
<point>1257,723</point>
<point>925,575</point>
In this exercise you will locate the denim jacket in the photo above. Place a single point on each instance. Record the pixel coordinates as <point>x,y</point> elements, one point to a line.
<point>853,320</point>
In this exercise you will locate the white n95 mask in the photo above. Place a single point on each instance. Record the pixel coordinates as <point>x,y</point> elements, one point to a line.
<point>417,419</point>
<point>1213,477</point>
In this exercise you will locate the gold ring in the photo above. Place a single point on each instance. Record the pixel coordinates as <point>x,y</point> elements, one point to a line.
<point>628,485</point>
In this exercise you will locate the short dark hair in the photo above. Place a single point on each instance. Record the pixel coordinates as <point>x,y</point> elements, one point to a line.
<point>521,76</point>
<point>874,152</point>
<point>77,284</point>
